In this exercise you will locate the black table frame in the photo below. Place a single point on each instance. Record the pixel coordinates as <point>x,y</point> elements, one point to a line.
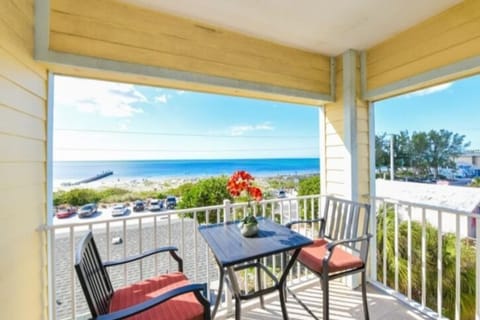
<point>234,252</point>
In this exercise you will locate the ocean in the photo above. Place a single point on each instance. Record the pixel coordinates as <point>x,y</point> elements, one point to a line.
<point>71,171</point>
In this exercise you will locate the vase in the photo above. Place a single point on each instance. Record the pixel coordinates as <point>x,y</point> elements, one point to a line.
<point>249,229</point>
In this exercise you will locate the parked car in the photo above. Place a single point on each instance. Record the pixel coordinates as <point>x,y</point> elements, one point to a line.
<point>155,205</point>
<point>119,210</point>
<point>66,212</point>
<point>87,210</point>
<point>170,202</point>
<point>281,194</point>
<point>139,206</point>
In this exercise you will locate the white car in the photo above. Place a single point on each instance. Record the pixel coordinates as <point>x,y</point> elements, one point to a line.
<point>119,210</point>
<point>155,205</point>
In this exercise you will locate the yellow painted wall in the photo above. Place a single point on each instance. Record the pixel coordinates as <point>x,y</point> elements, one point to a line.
<point>22,166</point>
<point>334,139</point>
<point>112,30</point>
<point>444,39</point>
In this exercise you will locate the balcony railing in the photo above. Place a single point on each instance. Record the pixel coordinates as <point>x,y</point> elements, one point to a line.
<point>428,256</point>
<point>138,232</point>
<point>401,265</point>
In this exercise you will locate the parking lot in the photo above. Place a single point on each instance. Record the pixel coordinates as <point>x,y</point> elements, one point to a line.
<point>104,214</point>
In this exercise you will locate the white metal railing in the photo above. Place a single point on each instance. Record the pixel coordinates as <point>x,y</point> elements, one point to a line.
<point>432,227</point>
<point>139,232</point>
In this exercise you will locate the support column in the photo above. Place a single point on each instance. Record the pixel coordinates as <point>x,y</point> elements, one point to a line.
<point>347,125</point>
<point>346,131</point>
<point>350,123</point>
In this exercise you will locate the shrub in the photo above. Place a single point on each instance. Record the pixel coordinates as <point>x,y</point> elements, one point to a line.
<point>206,192</point>
<point>467,273</point>
<point>76,197</point>
<point>308,186</point>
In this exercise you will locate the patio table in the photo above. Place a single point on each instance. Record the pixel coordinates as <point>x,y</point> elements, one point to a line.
<point>234,252</point>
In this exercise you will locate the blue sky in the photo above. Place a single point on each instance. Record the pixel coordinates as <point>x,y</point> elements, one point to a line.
<point>99,120</point>
<point>453,106</point>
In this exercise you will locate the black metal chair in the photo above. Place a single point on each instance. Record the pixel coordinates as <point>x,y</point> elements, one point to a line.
<point>167,296</point>
<point>341,248</point>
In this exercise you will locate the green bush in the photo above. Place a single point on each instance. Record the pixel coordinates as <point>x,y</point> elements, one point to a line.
<point>206,192</point>
<point>76,197</point>
<point>308,186</point>
<point>475,182</point>
<point>180,190</point>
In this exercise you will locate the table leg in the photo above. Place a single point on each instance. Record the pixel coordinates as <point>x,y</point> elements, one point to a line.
<point>259,284</point>
<point>284,260</point>
<point>236,292</point>
<point>219,292</point>
<point>282,282</point>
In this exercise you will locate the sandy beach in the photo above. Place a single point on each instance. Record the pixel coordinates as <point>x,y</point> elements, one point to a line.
<point>161,184</point>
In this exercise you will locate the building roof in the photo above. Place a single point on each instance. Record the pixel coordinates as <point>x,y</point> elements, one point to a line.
<point>452,197</point>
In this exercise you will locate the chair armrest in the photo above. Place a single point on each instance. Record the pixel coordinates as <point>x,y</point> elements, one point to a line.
<point>169,249</point>
<point>291,223</point>
<point>197,289</point>
<point>331,246</point>
<point>335,243</point>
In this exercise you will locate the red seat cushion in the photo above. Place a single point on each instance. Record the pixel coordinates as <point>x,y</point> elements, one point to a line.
<point>181,307</point>
<point>312,256</point>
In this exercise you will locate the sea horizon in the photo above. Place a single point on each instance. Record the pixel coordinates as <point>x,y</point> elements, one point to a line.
<point>71,171</point>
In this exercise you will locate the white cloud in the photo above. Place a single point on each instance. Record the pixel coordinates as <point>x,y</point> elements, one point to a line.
<point>162,98</point>
<point>242,129</point>
<point>427,91</point>
<point>180,92</point>
<point>107,99</point>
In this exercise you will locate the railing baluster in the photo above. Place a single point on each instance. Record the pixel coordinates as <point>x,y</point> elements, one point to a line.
<point>108,240</point>
<point>281,212</point>
<point>169,219</point>
<point>53,274</point>
<point>458,255</point>
<point>124,237</point>
<point>195,259</point>
<point>155,241</point>
<point>140,245</point>
<point>207,259</point>
<point>182,250</point>
<point>439,265</point>
<point>72,270</point>
<point>396,246</point>
<point>424,260</point>
<point>477,267</point>
<point>409,252</point>
<point>384,243</point>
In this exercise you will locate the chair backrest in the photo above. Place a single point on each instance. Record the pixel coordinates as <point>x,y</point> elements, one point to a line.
<point>346,219</point>
<point>93,276</point>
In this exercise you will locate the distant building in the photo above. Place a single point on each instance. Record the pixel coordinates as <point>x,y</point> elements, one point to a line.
<point>452,197</point>
<point>470,157</point>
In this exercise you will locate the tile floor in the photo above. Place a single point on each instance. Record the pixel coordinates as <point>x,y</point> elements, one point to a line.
<point>345,304</point>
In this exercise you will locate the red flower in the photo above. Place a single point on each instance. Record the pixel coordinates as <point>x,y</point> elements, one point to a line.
<point>243,181</point>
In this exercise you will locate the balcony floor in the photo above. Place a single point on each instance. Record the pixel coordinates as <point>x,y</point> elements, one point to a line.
<point>345,304</point>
